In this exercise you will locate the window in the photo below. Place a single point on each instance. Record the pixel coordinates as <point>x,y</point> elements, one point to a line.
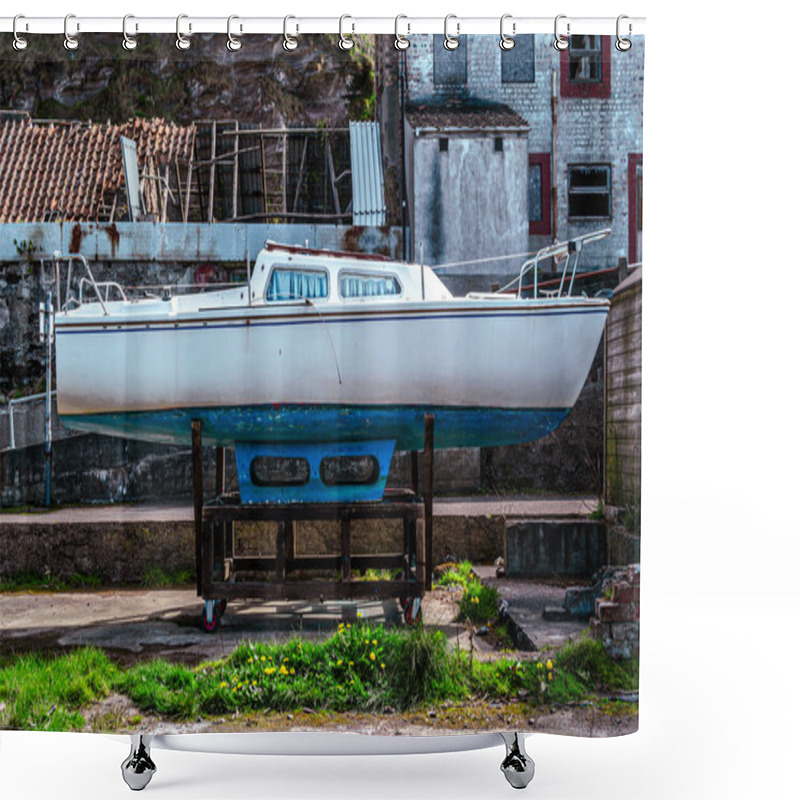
<point>539,193</point>
<point>443,143</point>
<point>586,67</point>
<point>589,191</point>
<point>498,144</point>
<point>517,64</point>
<point>287,283</point>
<point>449,66</point>
<point>353,284</point>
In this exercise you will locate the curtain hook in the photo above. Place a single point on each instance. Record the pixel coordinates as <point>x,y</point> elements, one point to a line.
<point>181,42</point>
<point>19,43</point>
<point>128,42</point>
<point>561,42</point>
<point>234,43</point>
<point>451,42</point>
<point>289,42</point>
<point>623,44</point>
<point>400,41</point>
<point>70,42</point>
<point>507,42</point>
<point>345,42</point>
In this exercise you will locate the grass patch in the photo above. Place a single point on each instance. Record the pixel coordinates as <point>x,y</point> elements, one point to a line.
<point>479,603</point>
<point>157,578</point>
<point>29,581</point>
<point>456,574</point>
<point>47,694</point>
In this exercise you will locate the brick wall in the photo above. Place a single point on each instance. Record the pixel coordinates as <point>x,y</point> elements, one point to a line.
<point>616,620</point>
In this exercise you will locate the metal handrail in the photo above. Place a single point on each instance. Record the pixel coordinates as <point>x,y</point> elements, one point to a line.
<point>18,401</point>
<point>97,286</point>
<point>57,256</point>
<point>570,247</point>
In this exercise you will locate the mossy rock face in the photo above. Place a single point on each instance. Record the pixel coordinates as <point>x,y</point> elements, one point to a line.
<point>262,83</point>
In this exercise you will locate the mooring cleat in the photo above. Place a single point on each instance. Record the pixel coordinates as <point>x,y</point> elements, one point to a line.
<point>138,768</point>
<point>517,766</point>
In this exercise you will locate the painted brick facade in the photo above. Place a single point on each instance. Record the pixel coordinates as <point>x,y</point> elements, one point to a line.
<point>574,126</point>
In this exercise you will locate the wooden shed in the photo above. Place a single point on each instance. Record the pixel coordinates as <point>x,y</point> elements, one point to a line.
<point>623,395</point>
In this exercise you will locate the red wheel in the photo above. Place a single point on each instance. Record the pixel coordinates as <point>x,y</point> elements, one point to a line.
<point>210,625</point>
<point>412,611</point>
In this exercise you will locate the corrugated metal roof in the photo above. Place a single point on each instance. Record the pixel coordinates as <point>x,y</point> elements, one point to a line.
<point>369,205</point>
<point>68,171</point>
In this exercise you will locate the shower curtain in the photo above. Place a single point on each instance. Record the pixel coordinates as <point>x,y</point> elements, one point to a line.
<point>167,170</point>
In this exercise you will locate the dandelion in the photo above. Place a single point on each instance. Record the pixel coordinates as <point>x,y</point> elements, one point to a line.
<point>270,670</point>
<point>285,660</point>
<point>539,665</point>
<point>249,660</point>
<point>291,671</point>
<point>383,666</point>
<point>375,641</point>
<point>223,685</point>
<point>351,663</point>
<point>263,658</point>
<point>359,615</point>
<point>253,683</point>
<point>283,670</point>
<point>549,676</point>
<point>372,656</point>
<point>339,663</point>
<point>549,664</point>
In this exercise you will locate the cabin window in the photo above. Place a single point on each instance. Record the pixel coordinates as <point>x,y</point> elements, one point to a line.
<point>586,67</point>
<point>539,199</point>
<point>287,283</point>
<point>589,191</point>
<point>352,284</point>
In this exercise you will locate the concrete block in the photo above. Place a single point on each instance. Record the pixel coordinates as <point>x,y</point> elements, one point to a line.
<point>538,549</point>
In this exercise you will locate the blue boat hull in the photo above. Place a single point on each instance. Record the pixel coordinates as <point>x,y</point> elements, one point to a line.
<point>454,426</point>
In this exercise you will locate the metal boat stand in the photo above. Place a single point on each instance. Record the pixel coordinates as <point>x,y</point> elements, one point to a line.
<point>139,768</point>
<point>224,575</point>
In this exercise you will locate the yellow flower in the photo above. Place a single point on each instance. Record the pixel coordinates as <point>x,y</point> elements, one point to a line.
<point>223,685</point>
<point>249,660</point>
<point>549,664</point>
<point>351,663</point>
<point>372,656</point>
<point>539,665</point>
<point>549,676</point>
<point>383,666</point>
<point>263,658</point>
<point>374,641</point>
<point>358,614</point>
<point>339,663</point>
<point>285,660</point>
<point>270,670</point>
<point>253,683</point>
<point>291,671</point>
<point>284,671</point>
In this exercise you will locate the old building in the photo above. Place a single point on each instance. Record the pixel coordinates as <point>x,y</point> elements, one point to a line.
<point>583,109</point>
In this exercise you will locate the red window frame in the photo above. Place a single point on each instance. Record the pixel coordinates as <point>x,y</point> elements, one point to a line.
<point>544,225</point>
<point>601,88</point>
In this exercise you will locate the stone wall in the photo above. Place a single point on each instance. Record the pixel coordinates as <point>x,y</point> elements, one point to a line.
<point>616,620</point>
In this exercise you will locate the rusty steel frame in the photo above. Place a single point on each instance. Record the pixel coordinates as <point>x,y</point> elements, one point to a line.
<point>217,563</point>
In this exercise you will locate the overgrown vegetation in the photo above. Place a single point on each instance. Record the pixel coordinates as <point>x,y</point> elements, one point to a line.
<point>34,582</point>
<point>359,668</point>
<point>158,578</point>
<point>479,603</point>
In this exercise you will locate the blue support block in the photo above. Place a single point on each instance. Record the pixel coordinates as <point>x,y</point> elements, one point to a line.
<point>306,484</point>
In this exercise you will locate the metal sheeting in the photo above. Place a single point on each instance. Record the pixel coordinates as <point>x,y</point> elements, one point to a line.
<point>369,205</point>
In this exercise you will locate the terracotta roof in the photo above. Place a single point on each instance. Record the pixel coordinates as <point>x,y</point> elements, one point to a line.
<point>464,116</point>
<point>68,171</point>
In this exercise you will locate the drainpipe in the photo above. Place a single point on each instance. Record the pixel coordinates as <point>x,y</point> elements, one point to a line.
<point>554,150</point>
<point>401,67</point>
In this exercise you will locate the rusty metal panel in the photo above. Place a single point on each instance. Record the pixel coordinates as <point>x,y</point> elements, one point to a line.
<point>186,243</point>
<point>369,204</point>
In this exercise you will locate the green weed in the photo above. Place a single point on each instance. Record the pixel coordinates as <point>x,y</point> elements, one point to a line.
<point>479,603</point>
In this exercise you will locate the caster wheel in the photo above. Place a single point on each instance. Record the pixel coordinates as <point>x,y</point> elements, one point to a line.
<point>221,606</point>
<point>412,611</point>
<point>209,619</point>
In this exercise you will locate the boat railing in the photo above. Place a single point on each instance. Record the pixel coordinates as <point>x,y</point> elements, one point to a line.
<point>71,299</point>
<point>572,249</point>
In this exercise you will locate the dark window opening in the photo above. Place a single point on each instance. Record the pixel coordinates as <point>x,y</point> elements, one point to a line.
<point>539,200</point>
<point>279,471</point>
<point>517,65</point>
<point>589,190</point>
<point>349,470</point>
<point>443,143</point>
<point>585,59</point>
<point>498,144</point>
<point>449,66</point>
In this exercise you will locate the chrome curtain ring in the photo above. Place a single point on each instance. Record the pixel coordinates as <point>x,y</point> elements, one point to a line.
<point>451,42</point>
<point>289,42</point>
<point>623,44</point>
<point>70,42</point>
<point>128,42</point>
<point>181,42</point>
<point>507,42</point>
<point>19,42</point>
<point>345,41</point>
<point>234,43</point>
<point>400,41</point>
<point>561,42</point>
